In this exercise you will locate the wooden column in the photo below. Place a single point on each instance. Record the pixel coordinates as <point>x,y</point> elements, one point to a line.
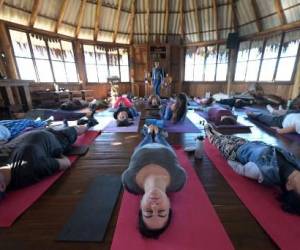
<point>231,68</point>
<point>296,86</point>
<point>6,47</point>
<point>78,53</point>
<point>182,66</point>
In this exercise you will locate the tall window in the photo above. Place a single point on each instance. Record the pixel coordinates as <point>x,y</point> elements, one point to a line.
<point>102,63</point>
<point>206,63</point>
<point>288,56</point>
<point>42,59</point>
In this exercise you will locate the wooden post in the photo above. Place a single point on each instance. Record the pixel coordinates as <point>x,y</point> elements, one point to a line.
<point>182,66</point>
<point>296,86</point>
<point>78,53</point>
<point>10,66</point>
<point>231,68</point>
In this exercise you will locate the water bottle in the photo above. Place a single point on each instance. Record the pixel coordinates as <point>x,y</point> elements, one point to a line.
<point>199,147</point>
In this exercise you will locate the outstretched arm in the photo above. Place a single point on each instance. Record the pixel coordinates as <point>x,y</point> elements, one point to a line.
<point>285,130</point>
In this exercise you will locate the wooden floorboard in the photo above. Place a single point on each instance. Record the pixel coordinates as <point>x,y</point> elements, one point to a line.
<point>39,227</point>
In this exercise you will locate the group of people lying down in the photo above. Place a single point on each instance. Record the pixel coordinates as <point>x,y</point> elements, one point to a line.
<point>154,170</point>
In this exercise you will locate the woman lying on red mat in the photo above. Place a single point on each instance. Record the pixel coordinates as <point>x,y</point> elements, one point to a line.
<point>153,172</point>
<point>37,154</point>
<point>267,164</point>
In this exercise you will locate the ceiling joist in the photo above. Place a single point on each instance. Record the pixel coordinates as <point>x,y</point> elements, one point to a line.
<point>234,15</point>
<point>166,23</point>
<point>181,20</point>
<point>34,12</point>
<point>147,20</point>
<point>80,17</point>
<point>215,15</point>
<point>132,17</point>
<point>1,3</point>
<point>197,20</point>
<point>97,17</point>
<point>61,14</point>
<point>280,12</point>
<point>257,15</point>
<point>117,21</point>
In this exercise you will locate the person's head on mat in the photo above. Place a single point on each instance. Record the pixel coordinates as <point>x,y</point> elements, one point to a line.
<point>122,116</point>
<point>154,101</point>
<point>179,108</point>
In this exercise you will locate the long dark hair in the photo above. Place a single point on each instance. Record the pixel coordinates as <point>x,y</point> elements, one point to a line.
<point>151,97</point>
<point>180,108</point>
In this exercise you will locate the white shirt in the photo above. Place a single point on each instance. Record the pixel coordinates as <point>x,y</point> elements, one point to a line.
<point>292,120</point>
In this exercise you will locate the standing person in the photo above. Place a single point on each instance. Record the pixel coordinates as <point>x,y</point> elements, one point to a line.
<point>157,78</point>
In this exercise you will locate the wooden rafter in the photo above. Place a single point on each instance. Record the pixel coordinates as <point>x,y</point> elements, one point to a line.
<point>198,25</point>
<point>1,3</point>
<point>131,26</point>
<point>97,17</point>
<point>166,24</point>
<point>234,15</point>
<point>117,21</point>
<point>181,19</point>
<point>61,14</point>
<point>256,14</point>
<point>215,15</point>
<point>34,12</point>
<point>280,12</point>
<point>80,17</point>
<point>147,21</point>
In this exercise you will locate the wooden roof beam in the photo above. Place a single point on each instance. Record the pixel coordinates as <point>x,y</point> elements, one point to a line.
<point>181,19</point>
<point>97,17</point>
<point>80,17</point>
<point>256,14</point>
<point>147,21</point>
<point>215,15</point>
<point>1,3</point>
<point>234,15</point>
<point>117,21</point>
<point>132,17</point>
<point>166,24</point>
<point>280,12</point>
<point>34,12</point>
<point>197,24</point>
<point>61,14</point>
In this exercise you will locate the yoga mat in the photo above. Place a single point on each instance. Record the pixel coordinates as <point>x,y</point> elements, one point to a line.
<point>182,127</point>
<point>112,126</point>
<point>290,136</point>
<point>91,217</point>
<point>16,202</point>
<point>261,201</point>
<point>195,224</point>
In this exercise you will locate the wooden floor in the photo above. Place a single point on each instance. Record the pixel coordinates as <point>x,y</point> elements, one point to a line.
<point>38,228</point>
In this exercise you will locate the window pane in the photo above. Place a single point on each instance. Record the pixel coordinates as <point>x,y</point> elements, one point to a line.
<point>124,74</point>
<point>267,70</point>
<point>223,54</point>
<point>240,71</point>
<point>198,72</point>
<point>102,73</point>
<point>113,71</point>
<point>20,43</point>
<point>68,51</point>
<point>285,69</point>
<point>243,51</point>
<point>71,72</point>
<point>55,50</point>
<point>252,70</point>
<point>59,71</point>
<point>210,72</point>
<point>289,49</point>
<point>221,72</point>
<point>256,50</point>
<point>123,56</point>
<point>89,55</point>
<point>26,69</point>
<point>211,54</point>
<point>188,73</point>
<point>113,57</point>
<point>200,56</point>
<point>101,56</point>
<point>189,57</point>
<point>272,47</point>
<point>44,70</point>
<point>91,73</point>
<point>38,47</point>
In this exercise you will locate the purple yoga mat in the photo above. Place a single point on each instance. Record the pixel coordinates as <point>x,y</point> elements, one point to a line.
<point>112,126</point>
<point>183,127</point>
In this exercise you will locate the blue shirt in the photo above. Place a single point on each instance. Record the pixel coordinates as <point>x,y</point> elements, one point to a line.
<point>157,74</point>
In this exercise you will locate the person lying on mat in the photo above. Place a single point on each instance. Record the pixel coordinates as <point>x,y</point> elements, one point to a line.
<point>154,171</point>
<point>175,111</point>
<point>123,101</point>
<point>283,124</point>
<point>38,154</point>
<point>154,101</point>
<point>221,116</point>
<point>124,116</point>
<point>267,164</point>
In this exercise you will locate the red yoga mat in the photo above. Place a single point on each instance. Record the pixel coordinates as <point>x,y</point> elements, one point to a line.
<point>17,202</point>
<point>261,201</point>
<point>194,225</point>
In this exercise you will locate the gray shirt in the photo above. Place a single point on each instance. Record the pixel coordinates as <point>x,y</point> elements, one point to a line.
<point>154,153</point>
